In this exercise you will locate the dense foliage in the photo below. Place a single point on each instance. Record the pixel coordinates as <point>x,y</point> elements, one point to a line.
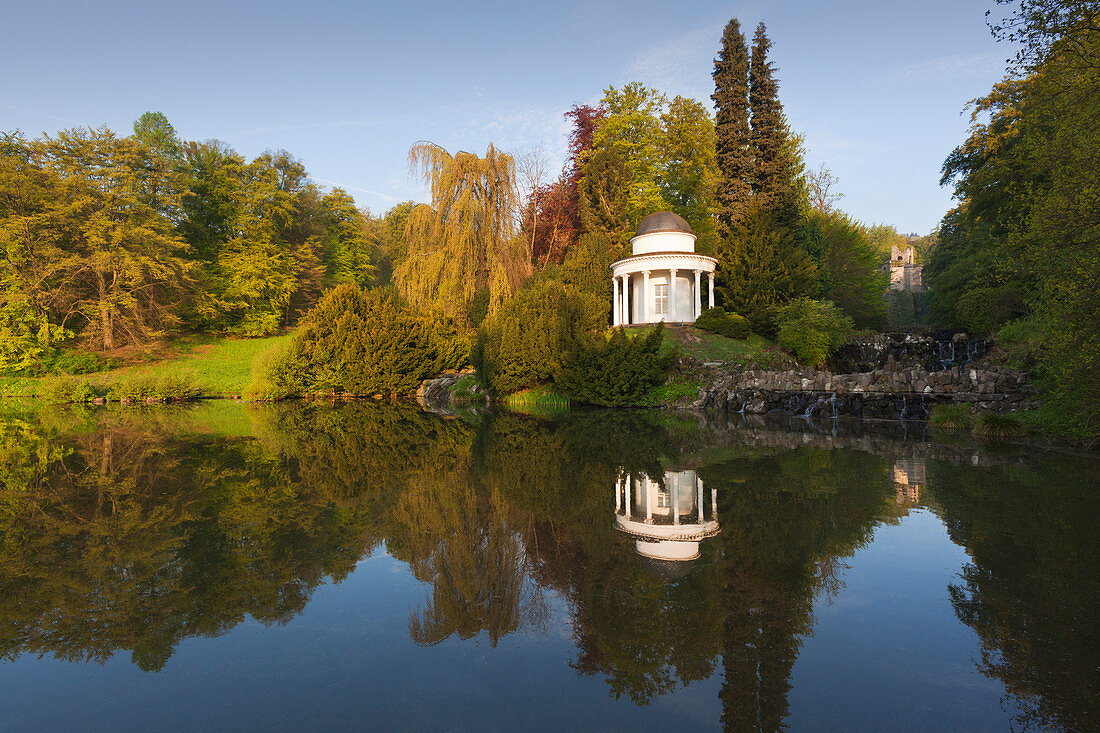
<point>118,240</point>
<point>525,343</point>
<point>1024,241</point>
<point>615,371</point>
<point>812,329</point>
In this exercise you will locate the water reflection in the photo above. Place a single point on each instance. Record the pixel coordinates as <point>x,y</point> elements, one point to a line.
<point>130,531</point>
<point>667,518</point>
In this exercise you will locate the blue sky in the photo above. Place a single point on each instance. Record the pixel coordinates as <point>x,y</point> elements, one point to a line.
<point>878,88</point>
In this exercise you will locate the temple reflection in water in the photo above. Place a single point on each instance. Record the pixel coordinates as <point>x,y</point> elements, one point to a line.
<point>667,517</point>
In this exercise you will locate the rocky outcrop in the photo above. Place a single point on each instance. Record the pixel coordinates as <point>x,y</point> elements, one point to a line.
<point>439,391</point>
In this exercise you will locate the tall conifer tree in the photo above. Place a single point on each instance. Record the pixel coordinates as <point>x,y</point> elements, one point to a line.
<point>774,165</point>
<point>731,103</point>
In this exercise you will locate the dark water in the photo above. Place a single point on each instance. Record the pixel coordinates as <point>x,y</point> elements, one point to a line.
<point>375,566</point>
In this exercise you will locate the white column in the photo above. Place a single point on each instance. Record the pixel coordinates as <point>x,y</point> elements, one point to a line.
<point>618,495</point>
<point>628,499</point>
<point>714,503</point>
<point>675,498</point>
<point>700,482</point>
<point>698,295</point>
<point>710,277</point>
<point>647,298</point>
<point>626,299</point>
<point>672,295</point>
<point>649,491</point>
<point>616,311</point>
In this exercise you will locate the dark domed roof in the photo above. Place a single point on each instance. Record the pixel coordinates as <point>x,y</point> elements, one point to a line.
<point>663,221</point>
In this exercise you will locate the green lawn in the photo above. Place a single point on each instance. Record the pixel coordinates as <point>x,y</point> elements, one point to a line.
<point>221,366</point>
<point>705,346</point>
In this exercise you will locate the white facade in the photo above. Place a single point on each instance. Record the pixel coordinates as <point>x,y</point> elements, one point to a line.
<point>664,279</point>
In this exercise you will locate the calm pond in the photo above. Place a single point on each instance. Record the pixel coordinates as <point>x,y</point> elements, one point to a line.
<point>376,566</point>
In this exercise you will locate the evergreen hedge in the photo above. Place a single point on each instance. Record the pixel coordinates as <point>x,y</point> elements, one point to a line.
<point>360,343</point>
<point>524,343</point>
<point>615,372</point>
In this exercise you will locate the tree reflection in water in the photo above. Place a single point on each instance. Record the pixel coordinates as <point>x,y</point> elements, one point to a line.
<point>1031,590</point>
<point>135,529</point>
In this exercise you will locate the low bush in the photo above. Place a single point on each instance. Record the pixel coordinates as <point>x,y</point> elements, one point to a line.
<point>998,425</point>
<point>274,375</point>
<point>615,372</point>
<point>79,362</point>
<point>170,385</point>
<point>67,388</point>
<point>951,417</point>
<point>730,325</point>
<point>812,329</point>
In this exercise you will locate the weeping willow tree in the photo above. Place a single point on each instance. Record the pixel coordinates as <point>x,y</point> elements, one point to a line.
<point>465,240</point>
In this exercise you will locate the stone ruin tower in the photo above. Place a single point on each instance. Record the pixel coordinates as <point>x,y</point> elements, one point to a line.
<point>905,273</point>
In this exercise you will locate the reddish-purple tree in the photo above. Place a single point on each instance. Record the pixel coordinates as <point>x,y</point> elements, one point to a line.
<point>557,225</point>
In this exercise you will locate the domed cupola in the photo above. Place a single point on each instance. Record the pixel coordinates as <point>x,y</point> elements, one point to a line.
<point>663,221</point>
<point>662,279</point>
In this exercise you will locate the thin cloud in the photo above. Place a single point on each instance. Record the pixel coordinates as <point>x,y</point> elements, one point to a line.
<point>41,114</point>
<point>384,196</point>
<point>680,66</point>
<point>948,67</point>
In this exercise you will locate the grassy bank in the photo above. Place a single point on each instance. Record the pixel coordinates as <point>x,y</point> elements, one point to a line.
<point>217,366</point>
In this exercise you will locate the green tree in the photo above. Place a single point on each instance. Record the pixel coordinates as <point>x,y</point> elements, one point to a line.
<point>632,129</point>
<point>762,264</point>
<point>604,193</point>
<point>154,131</point>
<point>733,150</point>
<point>123,267</point>
<point>777,165</point>
<point>850,264</point>
<point>689,168</point>
<point>349,249</point>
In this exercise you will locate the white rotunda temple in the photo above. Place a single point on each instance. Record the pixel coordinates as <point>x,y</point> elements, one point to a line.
<point>663,279</point>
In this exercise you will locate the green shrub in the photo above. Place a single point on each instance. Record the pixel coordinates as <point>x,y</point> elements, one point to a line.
<point>525,342</point>
<point>67,388</point>
<point>951,417</point>
<point>998,425</point>
<point>79,362</point>
<point>730,325</point>
<point>615,372</point>
<point>361,343</point>
<point>812,329</point>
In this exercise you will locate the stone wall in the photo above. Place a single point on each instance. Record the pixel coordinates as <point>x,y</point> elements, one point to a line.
<point>891,393</point>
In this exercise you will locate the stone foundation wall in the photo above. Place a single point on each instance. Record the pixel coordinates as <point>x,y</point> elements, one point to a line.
<point>891,393</point>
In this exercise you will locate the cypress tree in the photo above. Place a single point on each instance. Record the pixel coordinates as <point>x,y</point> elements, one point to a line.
<point>731,92</point>
<point>774,168</point>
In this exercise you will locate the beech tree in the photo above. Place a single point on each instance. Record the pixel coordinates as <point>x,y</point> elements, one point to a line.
<point>689,169</point>
<point>116,258</point>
